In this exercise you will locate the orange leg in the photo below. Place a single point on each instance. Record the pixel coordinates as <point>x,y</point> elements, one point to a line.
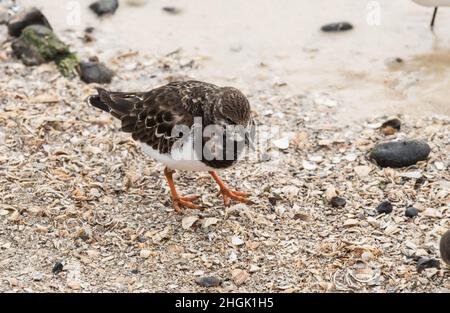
<point>228,194</point>
<point>178,201</point>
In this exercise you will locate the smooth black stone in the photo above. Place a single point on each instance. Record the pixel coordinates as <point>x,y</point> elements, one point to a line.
<point>337,202</point>
<point>424,263</point>
<point>384,207</point>
<point>57,268</point>
<point>92,72</point>
<point>26,18</point>
<point>337,27</point>
<point>444,247</point>
<point>208,281</point>
<point>103,7</point>
<point>411,212</point>
<point>394,123</point>
<point>400,153</point>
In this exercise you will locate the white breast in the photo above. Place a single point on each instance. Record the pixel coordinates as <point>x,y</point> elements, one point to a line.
<point>182,157</point>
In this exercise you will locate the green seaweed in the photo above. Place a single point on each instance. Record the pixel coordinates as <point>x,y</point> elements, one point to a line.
<point>68,64</point>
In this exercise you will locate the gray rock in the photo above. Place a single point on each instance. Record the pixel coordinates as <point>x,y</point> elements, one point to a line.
<point>444,247</point>
<point>424,263</point>
<point>337,27</point>
<point>38,44</point>
<point>30,54</point>
<point>400,153</point>
<point>411,212</point>
<point>95,72</point>
<point>26,18</point>
<point>103,7</point>
<point>338,202</point>
<point>208,281</point>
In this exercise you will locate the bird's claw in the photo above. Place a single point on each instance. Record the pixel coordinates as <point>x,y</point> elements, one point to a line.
<point>228,194</point>
<point>180,202</point>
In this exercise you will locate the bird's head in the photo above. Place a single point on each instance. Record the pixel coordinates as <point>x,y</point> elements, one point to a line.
<point>232,112</point>
<point>232,108</point>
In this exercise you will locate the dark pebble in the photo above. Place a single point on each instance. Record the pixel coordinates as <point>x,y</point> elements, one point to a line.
<point>57,268</point>
<point>94,59</point>
<point>141,239</point>
<point>400,153</point>
<point>135,271</point>
<point>88,38</point>
<point>444,247</point>
<point>26,18</point>
<point>208,281</point>
<point>171,10</point>
<point>92,72</point>
<point>424,263</point>
<point>384,207</point>
<point>411,212</point>
<point>338,202</point>
<point>419,182</point>
<point>394,123</point>
<point>273,200</point>
<point>103,7</point>
<point>337,27</point>
<point>89,30</point>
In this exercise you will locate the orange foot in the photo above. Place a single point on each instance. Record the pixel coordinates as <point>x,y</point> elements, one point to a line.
<point>228,194</point>
<point>177,201</point>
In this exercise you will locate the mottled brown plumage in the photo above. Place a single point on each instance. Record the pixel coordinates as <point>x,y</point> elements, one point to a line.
<point>151,116</point>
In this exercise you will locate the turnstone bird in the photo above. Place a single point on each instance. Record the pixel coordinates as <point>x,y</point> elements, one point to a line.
<point>188,125</point>
<point>433,3</point>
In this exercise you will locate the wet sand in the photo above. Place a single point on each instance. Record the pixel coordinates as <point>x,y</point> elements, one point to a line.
<point>246,43</point>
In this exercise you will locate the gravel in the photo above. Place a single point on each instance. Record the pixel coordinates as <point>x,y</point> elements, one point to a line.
<point>76,190</point>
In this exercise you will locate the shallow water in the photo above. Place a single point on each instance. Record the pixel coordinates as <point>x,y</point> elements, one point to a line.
<point>255,41</point>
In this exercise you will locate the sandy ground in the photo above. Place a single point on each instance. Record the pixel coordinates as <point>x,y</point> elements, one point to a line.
<point>77,191</point>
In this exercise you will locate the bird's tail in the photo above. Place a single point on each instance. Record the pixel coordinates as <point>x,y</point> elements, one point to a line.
<point>118,104</point>
<point>96,101</point>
